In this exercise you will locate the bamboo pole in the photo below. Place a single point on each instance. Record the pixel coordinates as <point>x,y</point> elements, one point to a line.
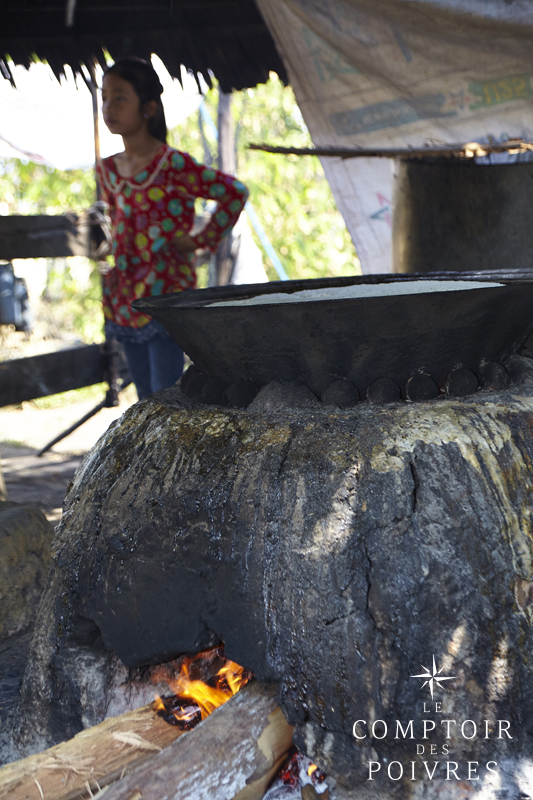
<point>468,150</point>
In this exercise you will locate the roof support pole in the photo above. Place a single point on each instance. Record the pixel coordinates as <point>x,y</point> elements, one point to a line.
<point>94,94</point>
<point>225,258</point>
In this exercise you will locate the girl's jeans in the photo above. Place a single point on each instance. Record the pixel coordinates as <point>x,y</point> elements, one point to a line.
<point>154,359</point>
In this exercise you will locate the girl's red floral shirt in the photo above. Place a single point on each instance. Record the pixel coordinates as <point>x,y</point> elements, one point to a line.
<point>148,211</point>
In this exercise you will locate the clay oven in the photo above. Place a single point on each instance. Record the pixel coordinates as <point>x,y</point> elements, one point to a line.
<point>334,548</point>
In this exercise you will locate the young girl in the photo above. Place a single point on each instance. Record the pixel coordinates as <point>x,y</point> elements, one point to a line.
<point>150,190</point>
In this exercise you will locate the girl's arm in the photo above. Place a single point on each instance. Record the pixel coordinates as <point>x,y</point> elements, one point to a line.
<point>200,181</point>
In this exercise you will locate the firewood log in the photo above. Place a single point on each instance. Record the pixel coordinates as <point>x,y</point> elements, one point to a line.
<point>94,758</point>
<point>232,755</point>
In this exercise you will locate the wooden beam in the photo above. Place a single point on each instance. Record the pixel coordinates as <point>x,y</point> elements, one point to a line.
<point>39,376</point>
<point>468,150</point>
<point>44,236</point>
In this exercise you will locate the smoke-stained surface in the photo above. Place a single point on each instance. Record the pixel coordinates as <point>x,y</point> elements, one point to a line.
<point>334,553</point>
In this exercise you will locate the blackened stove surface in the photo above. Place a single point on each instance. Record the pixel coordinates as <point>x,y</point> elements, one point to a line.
<point>360,339</point>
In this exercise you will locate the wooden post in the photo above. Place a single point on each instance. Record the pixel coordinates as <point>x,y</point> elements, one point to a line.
<point>226,162</point>
<point>208,156</point>
<point>226,134</point>
<point>94,94</point>
<point>212,274</point>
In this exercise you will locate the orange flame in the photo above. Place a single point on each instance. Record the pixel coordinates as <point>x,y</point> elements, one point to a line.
<point>311,769</point>
<point>229,679</point>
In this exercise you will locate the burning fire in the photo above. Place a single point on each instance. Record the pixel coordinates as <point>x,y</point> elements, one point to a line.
<point>297,772</point>
<point>194,698</point>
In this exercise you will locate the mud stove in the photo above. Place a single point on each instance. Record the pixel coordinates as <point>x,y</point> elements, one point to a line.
<point>358,534</point>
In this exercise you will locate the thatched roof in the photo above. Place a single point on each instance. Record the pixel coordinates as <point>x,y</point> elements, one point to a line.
<point>227,37</point>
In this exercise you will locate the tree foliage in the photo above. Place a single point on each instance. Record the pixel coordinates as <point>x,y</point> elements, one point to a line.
<point>28,188</point>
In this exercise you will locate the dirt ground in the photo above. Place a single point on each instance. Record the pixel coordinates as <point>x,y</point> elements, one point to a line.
<point>24,431</point>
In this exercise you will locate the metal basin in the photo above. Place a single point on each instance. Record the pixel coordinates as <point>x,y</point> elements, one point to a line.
<point>360,339</point>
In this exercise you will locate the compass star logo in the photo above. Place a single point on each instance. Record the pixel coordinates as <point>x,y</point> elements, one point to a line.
<point>431,677</point>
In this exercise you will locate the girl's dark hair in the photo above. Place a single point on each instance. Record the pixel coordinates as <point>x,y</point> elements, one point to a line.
<point>147,86</point>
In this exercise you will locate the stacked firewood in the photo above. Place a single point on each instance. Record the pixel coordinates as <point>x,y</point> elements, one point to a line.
<point>236,753</point>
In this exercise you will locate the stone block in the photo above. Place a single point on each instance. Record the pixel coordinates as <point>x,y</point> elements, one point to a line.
<point>25,543</point>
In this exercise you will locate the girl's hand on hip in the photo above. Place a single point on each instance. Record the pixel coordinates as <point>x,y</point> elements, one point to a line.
<point>185,244</point>
<point>104,267</point>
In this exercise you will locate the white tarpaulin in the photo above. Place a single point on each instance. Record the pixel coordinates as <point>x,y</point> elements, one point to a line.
<point>402,72</point>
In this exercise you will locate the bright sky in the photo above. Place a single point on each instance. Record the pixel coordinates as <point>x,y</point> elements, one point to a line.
<point>52,123</point>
